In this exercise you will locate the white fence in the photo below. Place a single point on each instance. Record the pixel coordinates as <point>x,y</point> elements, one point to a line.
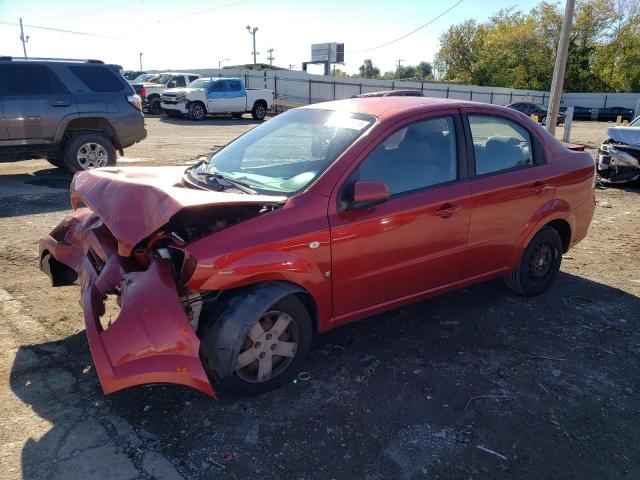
<point>304,88</point>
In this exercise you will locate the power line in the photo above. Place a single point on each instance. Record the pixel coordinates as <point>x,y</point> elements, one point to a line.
<point>200,12</point>
<point>412,32</point>
<point>60,30</point>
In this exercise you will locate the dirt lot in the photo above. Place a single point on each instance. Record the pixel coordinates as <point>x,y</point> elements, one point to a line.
<point>478,383</point>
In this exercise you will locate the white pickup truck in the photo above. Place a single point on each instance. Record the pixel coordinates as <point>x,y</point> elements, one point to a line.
<point>151,88</point>
<point>216,95</point>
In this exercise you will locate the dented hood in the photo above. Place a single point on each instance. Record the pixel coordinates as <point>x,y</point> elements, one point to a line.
<point>134,202</point>
<point>628,135</point>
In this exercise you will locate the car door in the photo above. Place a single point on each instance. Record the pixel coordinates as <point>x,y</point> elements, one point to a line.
<point>35,103</point>
<point>510,182</point>
<point>216,101</point>
<point>236,96</point>
<point>415,241</point>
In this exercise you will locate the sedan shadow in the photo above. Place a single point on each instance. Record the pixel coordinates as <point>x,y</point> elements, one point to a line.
<point>414,389</point>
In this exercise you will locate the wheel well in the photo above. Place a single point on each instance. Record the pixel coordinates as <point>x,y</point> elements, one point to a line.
<point>310,304</point>
<point>564,230</point>
<point>91,124</point>
<point>260,102</point>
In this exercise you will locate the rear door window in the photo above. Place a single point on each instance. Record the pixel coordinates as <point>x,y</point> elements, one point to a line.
<point>97,78</point>
<point>219,86</point>
<point>499,144</point>
<point>24,80</point>
<point>193,77</point>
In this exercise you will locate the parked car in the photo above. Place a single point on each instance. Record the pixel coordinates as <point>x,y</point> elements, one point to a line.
<point>151,89</point>
<point>540,111</point>
<point>391,93</point>
<point>74,113</point>
<point>325,214</point>
<point>132,74</point>
<point>612,113</point>
<point>619,154</point>
<point>214,96</point>
<point>143,77</point>
<point>579,113</point>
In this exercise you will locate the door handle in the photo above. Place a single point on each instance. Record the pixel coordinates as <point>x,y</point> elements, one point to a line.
<point>540,187</point>
<point>60,103</point>
<point>447,210</point>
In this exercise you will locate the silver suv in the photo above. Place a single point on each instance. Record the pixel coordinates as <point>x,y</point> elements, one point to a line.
<point>75,113</point>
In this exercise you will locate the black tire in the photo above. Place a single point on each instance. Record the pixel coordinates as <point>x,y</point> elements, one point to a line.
<point>56,160</point>
<point>259,111</point>
<point>286,372</point>
<point>539,265</point>
<point>97,148</point>
<point>155,106</point>
<point>197,111</point>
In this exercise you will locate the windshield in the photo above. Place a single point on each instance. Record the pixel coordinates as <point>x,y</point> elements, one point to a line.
<point>288,152</point>
<point>199,83</point>
<point>144,77</point>
<point>159,78</point>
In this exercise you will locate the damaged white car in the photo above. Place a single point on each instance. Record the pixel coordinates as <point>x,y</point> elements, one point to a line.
<point>619,155</point>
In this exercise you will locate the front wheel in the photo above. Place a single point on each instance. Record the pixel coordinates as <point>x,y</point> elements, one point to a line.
<point>271,353</point>
<point>539,265</point>
<point>259,111</point>
<point>196,111</point>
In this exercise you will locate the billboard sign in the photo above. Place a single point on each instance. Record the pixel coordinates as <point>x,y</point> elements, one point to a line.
<point>327,52</point>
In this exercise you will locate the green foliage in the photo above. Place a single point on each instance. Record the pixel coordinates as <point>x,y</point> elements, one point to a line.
<point>517,50</point>
<point>367,70</point>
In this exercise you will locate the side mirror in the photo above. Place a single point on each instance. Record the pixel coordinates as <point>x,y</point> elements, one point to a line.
<point>367,194</point>
<point>172,84</point>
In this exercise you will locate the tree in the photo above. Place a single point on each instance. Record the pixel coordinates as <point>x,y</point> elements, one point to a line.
<point>424,70</point>
<point>367,70</point>
<point>516,49</point>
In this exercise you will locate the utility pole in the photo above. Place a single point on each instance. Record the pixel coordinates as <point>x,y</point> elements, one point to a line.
<point>140,61</point>
<point>271,58</point>
<point>291,66</point>
<point>559,70</point>
<point>220,62</point>
<point>253,31</point>
<point>23,39</point>
<point>400,60</point>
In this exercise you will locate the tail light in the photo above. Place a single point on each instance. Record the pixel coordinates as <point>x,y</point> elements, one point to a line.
<point>135,101</point>
<point>143,92</point>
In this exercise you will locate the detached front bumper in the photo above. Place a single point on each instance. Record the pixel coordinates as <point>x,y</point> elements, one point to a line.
<point>151,339</point>
<point>618,165</point>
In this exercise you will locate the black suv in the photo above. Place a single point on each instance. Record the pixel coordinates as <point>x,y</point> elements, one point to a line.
<point>538,110</point>
<point>75,113</point>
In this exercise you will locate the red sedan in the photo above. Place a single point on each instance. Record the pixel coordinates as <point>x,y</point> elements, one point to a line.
<point>220,274</point>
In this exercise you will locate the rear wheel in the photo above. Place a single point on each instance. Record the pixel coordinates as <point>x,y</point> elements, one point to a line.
<point>89,150</point>
<point>539,265</point>
<point>259,111</point>
<point>197,111</point>
<point>271,353</point>
<point>155,106</point>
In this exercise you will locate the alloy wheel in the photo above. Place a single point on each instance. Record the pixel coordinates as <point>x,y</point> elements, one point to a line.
<point>92,155</point>
<point>269,348</point>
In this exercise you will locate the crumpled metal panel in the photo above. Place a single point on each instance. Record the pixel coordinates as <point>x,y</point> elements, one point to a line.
<point>135,202</point>
<point>627,135</point>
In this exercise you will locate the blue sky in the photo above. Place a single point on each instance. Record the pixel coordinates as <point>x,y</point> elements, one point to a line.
<point>200,39</point>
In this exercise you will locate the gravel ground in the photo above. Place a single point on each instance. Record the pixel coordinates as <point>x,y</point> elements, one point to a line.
<point>478,383</point>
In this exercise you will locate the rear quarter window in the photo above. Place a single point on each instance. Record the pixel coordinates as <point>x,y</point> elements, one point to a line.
<point>98,79</point>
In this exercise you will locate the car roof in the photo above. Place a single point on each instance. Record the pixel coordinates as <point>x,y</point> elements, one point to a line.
<point>378,106</point>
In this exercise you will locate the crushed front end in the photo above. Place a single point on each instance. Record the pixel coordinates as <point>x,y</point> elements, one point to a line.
<point>619,155</point>
<point>147,337</point>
